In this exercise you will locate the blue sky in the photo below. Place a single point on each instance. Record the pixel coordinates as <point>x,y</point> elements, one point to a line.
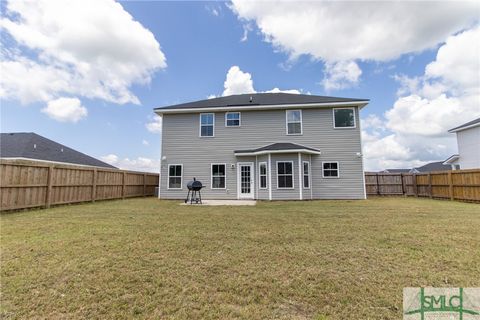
<point>194,46</point>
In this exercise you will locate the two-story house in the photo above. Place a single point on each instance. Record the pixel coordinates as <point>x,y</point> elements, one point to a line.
<point>468,142</point>
<point>266,146</point>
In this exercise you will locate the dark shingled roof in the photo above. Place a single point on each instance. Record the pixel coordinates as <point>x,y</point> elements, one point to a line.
<point>395,171</point>
<point>33,146</point>
<point>259,99</point>
<point>465,125</point>
<point>434,166</point>
<point>283,146</point>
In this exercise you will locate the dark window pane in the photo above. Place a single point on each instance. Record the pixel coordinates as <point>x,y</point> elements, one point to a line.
<point>281,182</point>
<point>233,123</point>
<point>288,181</point>
<point>171,171</point>
<point>281,167</point>
<point>288,167</point>
<point>263,181</point>
<point>294,128</point>
<point>263,169</point>
<point>174,182</point>
<point>344,118</point>
<point>207,131</point>
<point>306,182</point>
<point>218,182</point>
<point>305,168</point>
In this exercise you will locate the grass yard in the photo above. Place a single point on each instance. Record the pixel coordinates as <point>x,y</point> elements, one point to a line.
<point>146,258</point>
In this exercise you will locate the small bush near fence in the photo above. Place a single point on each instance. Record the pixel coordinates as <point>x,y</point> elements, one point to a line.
<point>453,185</point>
<point>27,184</point>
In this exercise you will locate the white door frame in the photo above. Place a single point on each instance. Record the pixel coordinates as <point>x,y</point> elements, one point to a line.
<point>252,181</point>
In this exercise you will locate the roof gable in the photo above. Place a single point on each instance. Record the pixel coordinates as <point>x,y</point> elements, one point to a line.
<point>467,125</point>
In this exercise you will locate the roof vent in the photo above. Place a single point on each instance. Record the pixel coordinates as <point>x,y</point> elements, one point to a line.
<point>61,150</point>
<point>251,99</point>
<point>34,146</point>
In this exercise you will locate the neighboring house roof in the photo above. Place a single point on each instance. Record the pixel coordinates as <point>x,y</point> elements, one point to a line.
<point>433,166</point>
<point>468,125</point>
<point>283,147</point>
<point>396,171</point>
<point>29,145</point>
<point>259,101</point>
<point>452,159</point>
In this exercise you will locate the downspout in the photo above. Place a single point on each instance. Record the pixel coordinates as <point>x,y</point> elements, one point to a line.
<point>269,176</point>
<point>300,182</point>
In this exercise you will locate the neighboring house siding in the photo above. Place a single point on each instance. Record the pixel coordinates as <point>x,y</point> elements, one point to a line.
<point>182,145</point>
<point>468,141</point>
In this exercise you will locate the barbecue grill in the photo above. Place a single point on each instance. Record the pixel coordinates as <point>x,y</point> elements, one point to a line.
<point>194,195</point>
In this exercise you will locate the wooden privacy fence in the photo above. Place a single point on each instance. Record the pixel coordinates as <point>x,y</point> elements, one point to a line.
<point>28,184</point>
<point>454,185</point>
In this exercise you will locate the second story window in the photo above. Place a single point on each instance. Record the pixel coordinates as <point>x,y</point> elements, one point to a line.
<point>294,122</point>
<point>232,119</point>
<point>343,118</point>
<point>207,123</point>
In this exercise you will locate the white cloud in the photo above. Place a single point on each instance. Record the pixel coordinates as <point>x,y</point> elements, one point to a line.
<point>92,49</point>
<point>65,110</point>
<point>237,82</point>
<point>145,143</point>
<point>340,75</point>
<point>445,96</point>
<point>346,31</point>
<point>155,125</point>
<point>138,164</point>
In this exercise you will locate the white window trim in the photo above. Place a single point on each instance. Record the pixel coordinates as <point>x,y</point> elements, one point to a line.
<point>354,118</point>
<point>301,123</point>
<point>338,169</point>
<point>211,176</point>
<point>239,119</point>
<point>260,176</point>
<point>309,173</point>
<point>293,176</point>
<point>200,125</point>
<point>168,175</point>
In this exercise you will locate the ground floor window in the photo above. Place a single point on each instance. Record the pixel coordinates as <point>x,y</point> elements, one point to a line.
<point>330,170</point>
<point>175,172</point>
<point>285,174</point>
<point>218,176</point>
<point>306,174</point>
<point>262,169</point>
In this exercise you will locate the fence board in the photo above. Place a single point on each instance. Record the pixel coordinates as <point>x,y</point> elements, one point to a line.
<point>454,185</point>
<point>28,184</point>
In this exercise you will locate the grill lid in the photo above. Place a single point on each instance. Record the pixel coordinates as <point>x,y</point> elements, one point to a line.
<point>194,185</point>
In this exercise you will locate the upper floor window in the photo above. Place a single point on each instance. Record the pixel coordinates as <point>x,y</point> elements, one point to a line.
<point>330,170</point>
<point>175,176</point>
<point>285,175</point>
<point>294,121</point>
<point>232,119</point>
<point>344,118</point>
<point>262,172</point>
<point>207,123</point>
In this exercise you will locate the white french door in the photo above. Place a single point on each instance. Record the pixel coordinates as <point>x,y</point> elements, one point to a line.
<point>245,180</point>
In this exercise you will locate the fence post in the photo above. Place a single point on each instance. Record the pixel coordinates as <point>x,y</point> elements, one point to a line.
<point>48,196</point>
<point>401,179</point>
<point>430,192</point>
<point>123,184</point>
<point>144,184</point>
<point>94,185</point>
<point>450,185</point>
<point>415,187</point>
<point>378,186</point>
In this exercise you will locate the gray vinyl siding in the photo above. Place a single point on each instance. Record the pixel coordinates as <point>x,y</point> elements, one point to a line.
<point>182,145</point>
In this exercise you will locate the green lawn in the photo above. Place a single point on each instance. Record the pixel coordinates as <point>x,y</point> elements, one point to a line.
<point>146,258</point>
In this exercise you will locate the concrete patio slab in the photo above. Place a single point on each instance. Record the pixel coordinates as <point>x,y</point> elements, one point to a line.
<point>224,203</point>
